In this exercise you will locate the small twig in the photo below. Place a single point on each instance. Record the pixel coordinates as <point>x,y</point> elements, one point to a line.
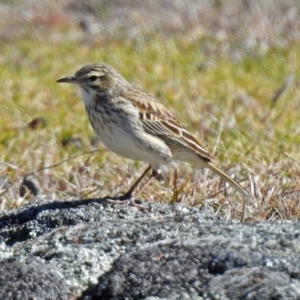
<point>218,137</point>
<point>286,84</point>
<point>274,100</point>
<point>243,217</point>
<point>175,190</point>
<point>293,158</point>
<point>46,168</point>
<point>89,193</point>
<point>255,192</point>
<point>61,162</point>
<point>7,189</point>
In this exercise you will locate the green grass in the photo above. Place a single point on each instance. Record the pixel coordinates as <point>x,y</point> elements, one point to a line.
<point>225,102</point>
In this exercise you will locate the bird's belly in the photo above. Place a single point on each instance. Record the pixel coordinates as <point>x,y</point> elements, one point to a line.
<point>118,139</point>
<point>121,143</point>
<point>127,138</point>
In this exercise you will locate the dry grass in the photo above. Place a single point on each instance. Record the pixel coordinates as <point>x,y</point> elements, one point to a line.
<point>229,72</point>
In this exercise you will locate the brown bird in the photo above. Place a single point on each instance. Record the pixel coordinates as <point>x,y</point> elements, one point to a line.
<point>134,124</point>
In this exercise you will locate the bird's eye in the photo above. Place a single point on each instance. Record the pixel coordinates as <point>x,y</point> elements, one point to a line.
<point>93,78</point>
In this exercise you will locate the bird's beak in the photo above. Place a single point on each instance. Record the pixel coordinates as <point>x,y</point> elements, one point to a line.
<point>70,79</point>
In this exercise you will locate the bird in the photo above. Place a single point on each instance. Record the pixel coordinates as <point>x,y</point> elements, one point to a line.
<point>134,124</point>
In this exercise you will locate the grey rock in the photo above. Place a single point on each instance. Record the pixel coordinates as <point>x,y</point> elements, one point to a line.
<point>20,281</point>
<point>164,252</point>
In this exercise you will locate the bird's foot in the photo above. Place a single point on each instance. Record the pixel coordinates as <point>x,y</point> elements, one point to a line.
<point>124,200</point>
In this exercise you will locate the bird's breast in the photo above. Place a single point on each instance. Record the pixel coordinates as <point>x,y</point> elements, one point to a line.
<point>116,130</point>
<point>121,131</point>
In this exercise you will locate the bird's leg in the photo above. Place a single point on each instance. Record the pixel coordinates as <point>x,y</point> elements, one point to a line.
<point>127,198</point>
<point>129,193</point>
<point>153,176</point>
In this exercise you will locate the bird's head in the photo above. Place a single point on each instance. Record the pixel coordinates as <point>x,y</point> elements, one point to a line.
<point>99,78</point>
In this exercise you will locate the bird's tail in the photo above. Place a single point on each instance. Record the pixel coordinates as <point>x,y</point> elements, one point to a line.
<point>227,178</point>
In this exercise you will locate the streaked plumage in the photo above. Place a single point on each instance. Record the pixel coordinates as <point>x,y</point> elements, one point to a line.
<point>134,124</point>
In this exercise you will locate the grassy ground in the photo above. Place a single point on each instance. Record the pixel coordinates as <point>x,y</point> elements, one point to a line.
<point>229,73</point>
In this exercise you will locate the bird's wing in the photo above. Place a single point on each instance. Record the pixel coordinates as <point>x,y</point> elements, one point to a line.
<point>159,122</point>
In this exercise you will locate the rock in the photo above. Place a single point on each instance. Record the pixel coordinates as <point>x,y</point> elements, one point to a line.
<point>36,281</point>
<point>164,252</point>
